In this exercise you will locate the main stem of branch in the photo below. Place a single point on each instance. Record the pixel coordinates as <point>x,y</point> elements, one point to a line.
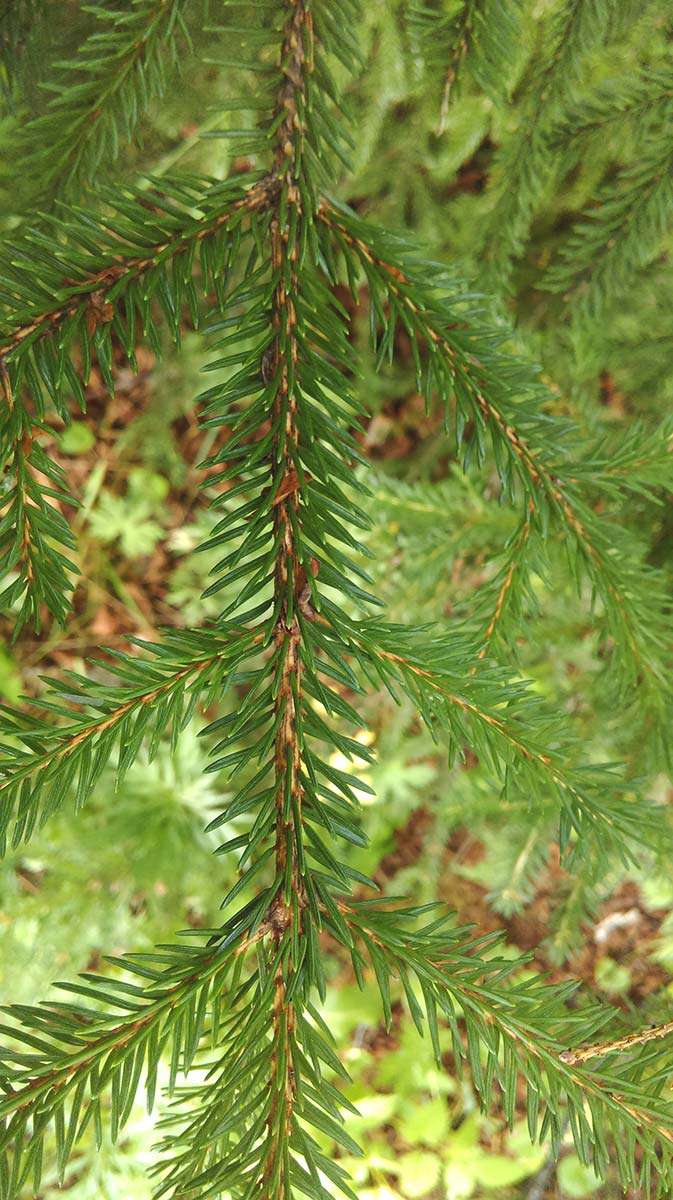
<point>289,901</point>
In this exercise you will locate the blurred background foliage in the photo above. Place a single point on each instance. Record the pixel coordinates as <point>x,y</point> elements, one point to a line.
<point>137,864</point>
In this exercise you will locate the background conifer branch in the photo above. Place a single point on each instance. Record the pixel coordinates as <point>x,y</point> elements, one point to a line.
<point>100,95</point>
<point>478,711</point>
<point>515,561</point>
<point>480,36</point>
<point>622,233</point>
<point>459,52</point>
<point>18,19</point>
<point>617,102</point>
<point>575,28</point>
<point>487,386</point>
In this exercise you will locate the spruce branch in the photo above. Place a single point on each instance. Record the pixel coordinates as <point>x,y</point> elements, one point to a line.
<point>496,717</point>
<point>601,1049</point>
<point>480,36</point>
<point>240,1009</point>
<point>100,95</point>
<point>451,520</point>
<point>525,166</point>
<point>157,693</point>
<point>462,365</point>
<point>94,293</point>
<point>216,1134</point>
<point>522,1029</point>
<point>281,364</point>
<point>639,460</point>
<point>618,235</point>
<point>513,568</point>
<point>645,96</point>
<point>33,532</point>
<point>575,910</point>
<point>72,1054</point>
<point>29,524</point>
<point>459,53</point>
<point>103,275</point>
<point>491,388</point>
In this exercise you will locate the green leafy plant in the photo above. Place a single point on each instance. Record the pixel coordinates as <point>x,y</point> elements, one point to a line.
<point>256,1092</point>
<point>134,520</point>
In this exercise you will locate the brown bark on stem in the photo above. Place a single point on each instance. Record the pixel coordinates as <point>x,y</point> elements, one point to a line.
<point>296,55</point>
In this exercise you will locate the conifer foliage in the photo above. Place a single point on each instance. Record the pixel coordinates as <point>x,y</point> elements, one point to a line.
<point>227,1025</point>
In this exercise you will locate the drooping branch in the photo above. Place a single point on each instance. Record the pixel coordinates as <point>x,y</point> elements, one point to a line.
<point>69,1054</point>
<point>281,365</point>
<point>464,369</point>
<point>245,1130</point>
<point>33,531</point>
<point>458,54</point>
<point>37,352</point>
